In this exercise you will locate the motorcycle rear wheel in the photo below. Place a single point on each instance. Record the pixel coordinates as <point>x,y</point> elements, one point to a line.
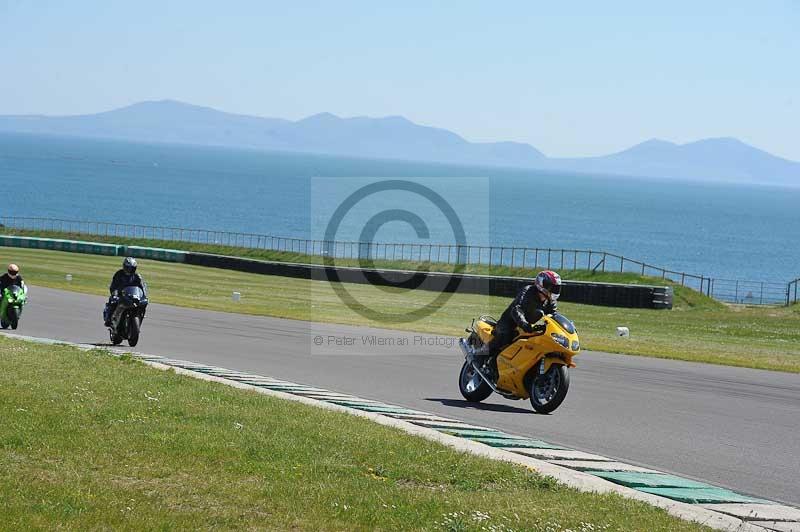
<point>549,390</point>
<point>471,385</point>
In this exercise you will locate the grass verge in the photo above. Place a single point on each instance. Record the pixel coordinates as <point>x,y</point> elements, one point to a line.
<point>90,441</point>
<point>697,329</point>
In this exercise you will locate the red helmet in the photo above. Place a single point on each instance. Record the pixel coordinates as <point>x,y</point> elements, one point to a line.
<point>549,283</point>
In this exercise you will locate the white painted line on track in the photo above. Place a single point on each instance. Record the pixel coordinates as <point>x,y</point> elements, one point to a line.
<point>763,512</point>
<point>592,465</point>
<point>779,526</point>
<point>424,417</point>
<point>560,454</point>
<point>449,425</point>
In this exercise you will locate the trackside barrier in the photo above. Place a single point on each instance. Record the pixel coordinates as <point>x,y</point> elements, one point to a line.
<point>166,255</point>
<point>605,294</point>
<point>92,248</point>
<point>73,246</point>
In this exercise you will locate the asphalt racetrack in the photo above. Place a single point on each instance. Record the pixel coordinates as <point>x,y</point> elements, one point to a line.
<point>733,427</point>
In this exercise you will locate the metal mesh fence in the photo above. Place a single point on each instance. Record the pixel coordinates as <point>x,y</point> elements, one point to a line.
<point>729,290</point>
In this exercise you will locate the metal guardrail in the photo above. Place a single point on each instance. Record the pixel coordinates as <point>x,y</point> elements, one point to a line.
<point>792,292</point>
<point>750,292</point>
<point>735,291</point>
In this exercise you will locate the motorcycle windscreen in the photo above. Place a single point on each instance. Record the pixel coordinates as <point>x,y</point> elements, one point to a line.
<point>133,292</point>
<point>564,323</point>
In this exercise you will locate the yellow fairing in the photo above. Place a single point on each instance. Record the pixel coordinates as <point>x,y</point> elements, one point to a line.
<point>484,331</point>
<point>517,360</point>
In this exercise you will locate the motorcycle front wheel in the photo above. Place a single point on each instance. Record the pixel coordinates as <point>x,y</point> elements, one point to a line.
<point>116,339</point>
<point>549,390</point>
<point>134,326</point>
<point>13,317</point>
<point>471,385</point>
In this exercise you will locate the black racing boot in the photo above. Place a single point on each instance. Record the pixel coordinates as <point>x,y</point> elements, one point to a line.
<point>107,316</point>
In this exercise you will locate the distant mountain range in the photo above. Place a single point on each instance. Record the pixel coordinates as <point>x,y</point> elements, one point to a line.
<point>395,137</point>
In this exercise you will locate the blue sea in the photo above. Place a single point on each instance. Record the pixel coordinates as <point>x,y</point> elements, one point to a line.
<point>714,229</point>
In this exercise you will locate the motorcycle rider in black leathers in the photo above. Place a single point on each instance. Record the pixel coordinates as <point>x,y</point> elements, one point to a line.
<point>124,278</point>
<point>531,304</point>
<point>12,278</point>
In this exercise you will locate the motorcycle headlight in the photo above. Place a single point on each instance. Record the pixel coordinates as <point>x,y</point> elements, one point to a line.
<point>560,339</point>
<point>576,345</point>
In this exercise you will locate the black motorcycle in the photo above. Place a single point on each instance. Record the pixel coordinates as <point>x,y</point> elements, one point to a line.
<point>126,322</point>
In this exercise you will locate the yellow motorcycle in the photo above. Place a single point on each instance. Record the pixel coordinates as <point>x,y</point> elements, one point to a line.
<point>535,365</point>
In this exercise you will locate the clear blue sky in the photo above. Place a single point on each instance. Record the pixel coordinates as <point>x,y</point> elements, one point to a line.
<point>571,78</point>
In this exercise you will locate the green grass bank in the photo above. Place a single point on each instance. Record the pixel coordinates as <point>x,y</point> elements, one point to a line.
<point>89,441</point>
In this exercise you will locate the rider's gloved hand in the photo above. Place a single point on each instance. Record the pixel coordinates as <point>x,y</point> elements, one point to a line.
<point>550,308</point>
<point>526,327</point>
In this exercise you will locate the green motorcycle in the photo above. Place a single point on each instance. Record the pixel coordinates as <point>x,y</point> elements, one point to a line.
<point>13,299</point>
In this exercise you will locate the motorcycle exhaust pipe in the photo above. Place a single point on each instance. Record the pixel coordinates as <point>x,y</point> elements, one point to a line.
<point>467,350</point>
